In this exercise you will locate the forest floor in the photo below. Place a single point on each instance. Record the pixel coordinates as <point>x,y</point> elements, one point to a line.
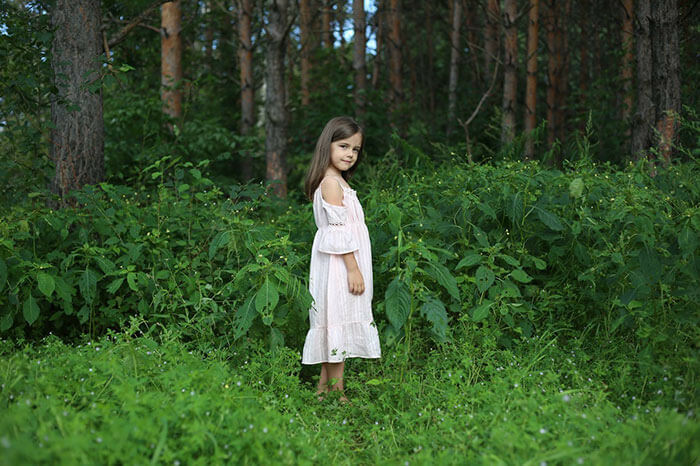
<point>132,398</point>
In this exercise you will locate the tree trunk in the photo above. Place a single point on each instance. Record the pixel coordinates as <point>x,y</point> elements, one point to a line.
<point>493,19</point>
<point>626,72</point>
<point>470,23</point>
<point>531,84</point>
<point>584,74</point>
<point>77,136</point>
<point>171,59</point>
<point>454,63</point>
<point>326,33</point>
<point>430,45</point>
<point>305,26</point>
<point>358,59</point>
<point>394,42</point>
<point>645,117</point>
<point>666,86</point>
<point>556,15</point>
<point>510,75</point>
<point>245,63</point>
<point>377,62</point>
<point>275,111</point>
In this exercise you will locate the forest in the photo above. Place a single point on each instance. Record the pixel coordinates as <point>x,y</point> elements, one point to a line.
<point>529,180</point>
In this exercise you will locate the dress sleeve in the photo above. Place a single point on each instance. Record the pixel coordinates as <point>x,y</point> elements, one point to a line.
<point>336,238</point>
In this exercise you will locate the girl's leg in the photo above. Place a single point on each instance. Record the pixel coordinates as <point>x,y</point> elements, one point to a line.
<point>323,380</point>
<point>334,372</point>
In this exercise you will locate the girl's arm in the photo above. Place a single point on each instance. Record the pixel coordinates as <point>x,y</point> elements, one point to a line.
<point>333,194</point>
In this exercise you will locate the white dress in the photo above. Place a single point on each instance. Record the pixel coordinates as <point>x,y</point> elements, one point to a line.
<point>341,324</point>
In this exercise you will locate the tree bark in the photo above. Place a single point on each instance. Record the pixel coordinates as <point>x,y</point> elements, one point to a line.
<point>431,55</point>
<point>358,59</point>
<point>645,117</point>
<point>395,63</point>
<point>510,75</point>
<point>77,136</point>
<point>557,13</point>
<point>171,59</point>
<point>245,64</point>
<point>627,67</point>
<point>493,20</point>
<point>326,33</point>
<point>275,111</point>
<point>666,86</point>
<point>377,62</point>
<point>584,74</point>
<point>531,84</point>
<point>454,64</point>
<point>305,26</point>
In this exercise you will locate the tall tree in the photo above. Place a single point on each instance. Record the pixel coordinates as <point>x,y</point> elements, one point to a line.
<point>454,63</point>
<point>658,78</point>
<point>306,34</point>
<point>276,120</point>
<point>666,88</point>
<point>378,19</point>
<point>77,134</point>
<point>627,66</point>
<point>171,58</point>
<point>491,25</point>
<point>358,59</point>
<point>245,64</point>
<point>326,15</point>
<point>557,13</point>
<point>531,83</point>
<point>510,75</point>
<point>394,48</point>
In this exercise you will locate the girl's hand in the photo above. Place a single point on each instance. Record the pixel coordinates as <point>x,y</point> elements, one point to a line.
<point>356,283</point>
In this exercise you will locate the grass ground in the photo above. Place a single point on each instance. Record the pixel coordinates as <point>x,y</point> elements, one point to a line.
<point>134,398</point>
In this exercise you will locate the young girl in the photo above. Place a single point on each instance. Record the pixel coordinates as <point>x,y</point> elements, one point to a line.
<point>340,279</point>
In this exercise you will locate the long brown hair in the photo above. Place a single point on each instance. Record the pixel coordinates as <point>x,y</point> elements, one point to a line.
<point>337,128</point>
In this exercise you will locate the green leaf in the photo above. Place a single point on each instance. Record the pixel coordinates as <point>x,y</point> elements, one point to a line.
<point>183,187</point>
<point>434,311</point>
<point>539,263</point>
<point>510,260</point>
<point>443,276</point>
<point>88,285</point>
<point>131,280</point>
<point>105,264</point>
<point>687,241</point>
<point>521,276</point>
<point>276,338</point>
<point>266,297</point>
<point>114,286</point>
<point>3,274</point>
<point>46,283</point>
<point>470,259</point>
<point>484,278</point>
<point>244,318</point>
<point>6,321</point>
<point>219,240</point>
<point>481,237</point>
<point>481,312</point>
<point>515,211</point>
<point>397,301</point>
<point>30,309</point>
<point>394,214</point>
<point>63,289</point>
<point>549,219</point>
<point>576,188</point>
<point>487,210</point>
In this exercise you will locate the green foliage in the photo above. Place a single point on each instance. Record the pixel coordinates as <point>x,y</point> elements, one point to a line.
<point>142,395</point>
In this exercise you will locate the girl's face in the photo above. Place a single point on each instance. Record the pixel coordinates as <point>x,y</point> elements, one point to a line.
<point>344,152</point>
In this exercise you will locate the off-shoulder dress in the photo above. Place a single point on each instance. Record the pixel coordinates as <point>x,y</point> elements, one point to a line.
<point>341,324</point>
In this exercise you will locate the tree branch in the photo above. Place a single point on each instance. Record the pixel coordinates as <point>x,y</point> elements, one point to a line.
<point>123,32</point>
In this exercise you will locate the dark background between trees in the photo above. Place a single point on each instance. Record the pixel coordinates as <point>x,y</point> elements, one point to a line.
<point>98,90</point>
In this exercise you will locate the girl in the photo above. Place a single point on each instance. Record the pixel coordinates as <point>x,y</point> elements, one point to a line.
<point>340,279</point>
